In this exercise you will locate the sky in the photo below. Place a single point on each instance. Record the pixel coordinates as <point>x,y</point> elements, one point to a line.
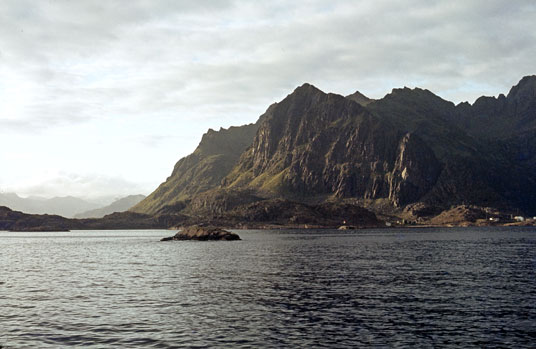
<point>102,98</point>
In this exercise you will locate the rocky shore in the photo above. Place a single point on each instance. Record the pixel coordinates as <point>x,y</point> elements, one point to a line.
<point>274,214</point>
<point>203,234</point>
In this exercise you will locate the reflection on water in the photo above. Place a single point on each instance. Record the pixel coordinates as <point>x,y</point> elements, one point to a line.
<point>421,287</point>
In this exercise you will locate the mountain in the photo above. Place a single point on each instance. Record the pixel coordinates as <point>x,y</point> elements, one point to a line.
<point>66,206</point>
<point>410,151</point>
<point>19,221</point>
<point>314,145</point>
<point>121,205</point>
<point>359,98</point>
<point>202,170</point>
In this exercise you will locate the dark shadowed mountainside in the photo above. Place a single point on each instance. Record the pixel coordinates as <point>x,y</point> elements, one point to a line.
<point>410,147</point>
<point>202,170</point>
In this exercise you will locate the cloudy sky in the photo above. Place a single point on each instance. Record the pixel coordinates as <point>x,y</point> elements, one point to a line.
<point>103,97</point>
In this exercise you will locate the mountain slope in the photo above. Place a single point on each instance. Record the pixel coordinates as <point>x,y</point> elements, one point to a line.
<point>503,117</point>
<point>410,146</point>
<point>202,170</point>
<point>121,205</point>
<point>315,144</point>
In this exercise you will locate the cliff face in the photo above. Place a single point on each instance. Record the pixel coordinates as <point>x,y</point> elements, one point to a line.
<point>202,170</point>
<point>415,171</point>
<point>314,145</point>
<point>410,146</point>
<point>502,117</point>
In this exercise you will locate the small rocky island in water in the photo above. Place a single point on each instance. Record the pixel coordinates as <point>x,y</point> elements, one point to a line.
<point>203,234</point>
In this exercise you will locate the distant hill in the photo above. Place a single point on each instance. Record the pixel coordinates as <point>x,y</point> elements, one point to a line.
<point>408,149</point>
<point>18,221</point>
<point>66,206</point>
<point>120,205</point>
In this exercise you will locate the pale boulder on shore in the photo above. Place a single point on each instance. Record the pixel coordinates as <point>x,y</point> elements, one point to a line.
<point>203,234</point>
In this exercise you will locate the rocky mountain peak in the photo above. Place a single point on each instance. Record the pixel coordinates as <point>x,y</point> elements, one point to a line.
<point>410,146</point>
<point>231,140</point>
<point>306,88</point>
<point>359,98</point>
<point>526,88</point>
<point>413,95</point>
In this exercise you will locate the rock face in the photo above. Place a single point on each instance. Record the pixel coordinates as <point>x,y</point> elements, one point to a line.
<point>415,171</point>
<point>202,170</point>
<point>315,144</point>
<point>359,98</point>
<point>203,234</point>
<point>407,148</point>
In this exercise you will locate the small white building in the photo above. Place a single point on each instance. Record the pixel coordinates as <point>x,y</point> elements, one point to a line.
<point>519,218</point>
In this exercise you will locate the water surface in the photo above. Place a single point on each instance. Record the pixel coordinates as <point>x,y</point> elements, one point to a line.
<point>306,288</point>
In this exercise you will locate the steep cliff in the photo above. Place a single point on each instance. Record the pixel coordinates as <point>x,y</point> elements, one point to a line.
<point>202,170</point>
<point>410,146</point>
<point>315,145</point>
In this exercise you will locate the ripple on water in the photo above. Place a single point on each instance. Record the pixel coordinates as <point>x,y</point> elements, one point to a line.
<point>457,287</point>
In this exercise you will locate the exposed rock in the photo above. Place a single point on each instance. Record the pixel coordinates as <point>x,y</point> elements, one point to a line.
<point>421,209</point>
<point>415,172</point>
<point>203,234</point>
<point>219,201</point>
<point>464,215</point>
<point>360,98</point>
<point>313,144</point>
<point>202,170</point>
<point>347,227</point>
<point>409,147</point>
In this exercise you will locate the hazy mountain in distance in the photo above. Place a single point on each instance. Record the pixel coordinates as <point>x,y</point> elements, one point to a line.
<point>119,205</point>
<point>66,206</point>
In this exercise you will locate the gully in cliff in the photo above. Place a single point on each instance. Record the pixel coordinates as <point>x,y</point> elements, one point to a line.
<point>203,234</point>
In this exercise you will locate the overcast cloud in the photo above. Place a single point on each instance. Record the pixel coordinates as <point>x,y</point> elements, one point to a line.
<point>117,91</point>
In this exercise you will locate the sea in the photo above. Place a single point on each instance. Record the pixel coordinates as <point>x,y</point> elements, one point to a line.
<point>420,287</point>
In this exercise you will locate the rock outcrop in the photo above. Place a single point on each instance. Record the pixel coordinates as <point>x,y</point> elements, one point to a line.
<point>203,234</point>
<point>315,144</point>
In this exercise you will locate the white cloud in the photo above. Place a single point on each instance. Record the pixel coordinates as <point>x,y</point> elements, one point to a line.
<point>88,186</point>
<point>156,74</point>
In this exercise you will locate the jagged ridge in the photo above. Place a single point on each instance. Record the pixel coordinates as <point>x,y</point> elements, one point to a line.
<point>410,146</point>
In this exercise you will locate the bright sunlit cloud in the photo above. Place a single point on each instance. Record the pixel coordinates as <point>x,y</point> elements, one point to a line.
<point>117,93</point>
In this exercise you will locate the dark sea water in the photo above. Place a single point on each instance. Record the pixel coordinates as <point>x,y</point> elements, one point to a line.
<point>309,288</point>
